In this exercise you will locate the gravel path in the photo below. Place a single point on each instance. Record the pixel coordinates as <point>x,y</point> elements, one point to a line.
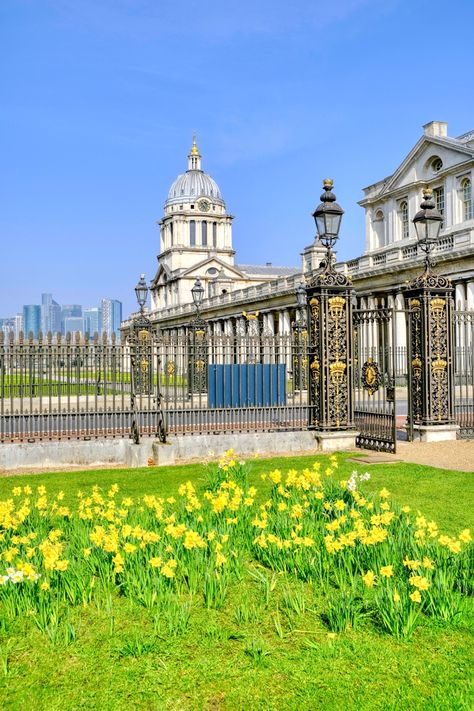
<point>457,455</point>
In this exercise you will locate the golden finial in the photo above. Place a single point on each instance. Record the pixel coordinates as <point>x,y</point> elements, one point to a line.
<point>328,183</point>
<point>194,149</point>
<point>427,192</point>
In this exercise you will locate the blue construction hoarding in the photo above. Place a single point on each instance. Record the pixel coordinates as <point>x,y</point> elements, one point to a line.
<point>251,385</point>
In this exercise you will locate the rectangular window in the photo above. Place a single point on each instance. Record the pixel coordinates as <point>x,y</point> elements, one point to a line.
<point>214,234</point>
<point>171,233</point>
<point>192,233</point>
<point>403,208</point>
<point>438,194</point>
<point>439,199</point>
<point>204,233</point>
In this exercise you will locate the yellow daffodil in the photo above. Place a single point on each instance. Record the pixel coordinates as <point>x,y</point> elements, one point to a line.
<point>369,579</point>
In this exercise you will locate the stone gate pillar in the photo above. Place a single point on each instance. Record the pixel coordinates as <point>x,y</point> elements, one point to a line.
<point>429,299</point>
<point>330,343</point>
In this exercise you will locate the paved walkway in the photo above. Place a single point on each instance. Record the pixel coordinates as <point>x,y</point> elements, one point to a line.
<point>457,455</point>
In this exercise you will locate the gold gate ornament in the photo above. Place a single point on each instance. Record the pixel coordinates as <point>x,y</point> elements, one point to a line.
<point>370,376</point>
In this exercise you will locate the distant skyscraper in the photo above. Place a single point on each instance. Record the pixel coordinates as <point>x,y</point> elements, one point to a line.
<point>32,319</point>
<point>7,325</point>
<point>18,324</point>
<point>72,324</point>
<point>50,314</point>
<point>69,310</point>
<point>111,316</point>
<point>93,320</point>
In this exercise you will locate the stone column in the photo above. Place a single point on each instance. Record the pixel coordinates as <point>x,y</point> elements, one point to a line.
<point>470,296</point>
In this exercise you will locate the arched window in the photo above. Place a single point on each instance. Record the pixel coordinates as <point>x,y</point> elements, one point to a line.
<point>192,233</point>
<point>214,234</point>
<point>404,219</point>
<point>379,229</point>
<point>204,233</point>
<point>467,208</point>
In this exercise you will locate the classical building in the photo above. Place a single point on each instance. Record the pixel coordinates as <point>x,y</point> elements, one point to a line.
<point>392,256</point>
<point>196,242</point>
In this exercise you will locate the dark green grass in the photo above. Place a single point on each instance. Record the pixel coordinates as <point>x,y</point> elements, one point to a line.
<point>119,661</point>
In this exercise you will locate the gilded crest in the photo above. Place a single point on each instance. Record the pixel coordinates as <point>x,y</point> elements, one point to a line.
<point>370,376</point>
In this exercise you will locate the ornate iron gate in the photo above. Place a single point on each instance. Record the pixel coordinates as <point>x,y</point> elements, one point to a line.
<point>374,378</point>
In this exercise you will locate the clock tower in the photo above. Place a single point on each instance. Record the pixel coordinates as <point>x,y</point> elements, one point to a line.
<point>195,236</point>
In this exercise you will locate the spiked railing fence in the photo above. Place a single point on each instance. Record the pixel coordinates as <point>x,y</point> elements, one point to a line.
<point>79,388</point>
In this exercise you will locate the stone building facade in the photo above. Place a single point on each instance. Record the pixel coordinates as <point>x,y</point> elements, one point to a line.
<point>196,242</point>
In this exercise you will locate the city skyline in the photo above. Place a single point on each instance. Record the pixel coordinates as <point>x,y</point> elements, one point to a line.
<point>50,316</point>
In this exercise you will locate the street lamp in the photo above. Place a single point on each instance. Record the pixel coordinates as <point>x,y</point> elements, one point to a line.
<point>427,223</point>
<point>197,292</point>
<point>299,357</point>
<point>328,216</point>
<point>141,291</point>
<point>198,358</point>
<point>143,359</point>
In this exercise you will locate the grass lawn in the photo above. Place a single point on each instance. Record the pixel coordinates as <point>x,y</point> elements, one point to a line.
<point>268,646</point>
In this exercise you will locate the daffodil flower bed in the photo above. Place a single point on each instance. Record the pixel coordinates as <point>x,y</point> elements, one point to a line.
<point>372,559</point>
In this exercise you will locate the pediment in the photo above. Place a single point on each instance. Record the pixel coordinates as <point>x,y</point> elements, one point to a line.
<point>200,269</point>
<point>418,164</point>
<point>162,275</point>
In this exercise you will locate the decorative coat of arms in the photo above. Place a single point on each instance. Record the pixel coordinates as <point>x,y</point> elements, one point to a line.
<point>370,376</point>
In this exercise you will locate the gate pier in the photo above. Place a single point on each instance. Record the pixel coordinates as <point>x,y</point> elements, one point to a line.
<point>329,318</point>
<point>429,298</point>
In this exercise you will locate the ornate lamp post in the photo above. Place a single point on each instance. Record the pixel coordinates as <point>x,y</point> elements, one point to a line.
<point>329,316</point>
<point>197,368</point>
<point>141,291</point>
<point>300,359</point>
<point>141,361</point>
<point>429,298</point>
<point>427,221</point>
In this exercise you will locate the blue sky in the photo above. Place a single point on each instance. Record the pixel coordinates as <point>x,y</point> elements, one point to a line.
<point>99,100</point>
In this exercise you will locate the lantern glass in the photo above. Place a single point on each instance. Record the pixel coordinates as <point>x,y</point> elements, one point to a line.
<point>333,222</point>
<point>198,292</point>
<point>428,220</point>
<point>320,225</point>
<point>141,291</point>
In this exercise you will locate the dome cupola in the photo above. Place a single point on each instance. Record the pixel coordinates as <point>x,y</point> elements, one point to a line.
<point>194,183</point>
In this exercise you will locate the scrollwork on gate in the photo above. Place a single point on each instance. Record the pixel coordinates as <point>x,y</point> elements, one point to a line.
<point>336,328</point>
<point>438,338</point>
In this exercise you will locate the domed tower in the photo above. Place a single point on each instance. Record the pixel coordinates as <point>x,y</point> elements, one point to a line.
<point>195,235</point>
